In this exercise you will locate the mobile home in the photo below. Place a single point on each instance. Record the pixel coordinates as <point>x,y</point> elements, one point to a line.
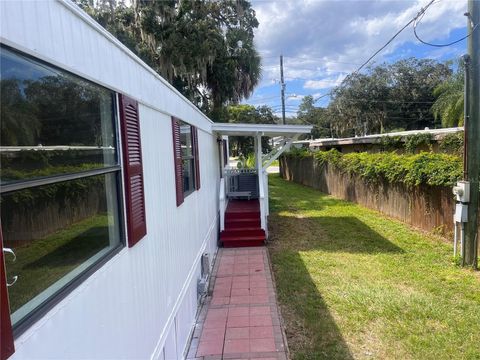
<point>114,189</point>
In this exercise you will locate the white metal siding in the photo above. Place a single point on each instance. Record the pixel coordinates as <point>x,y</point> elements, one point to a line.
<point>125,309</point>
<point>128,308</point>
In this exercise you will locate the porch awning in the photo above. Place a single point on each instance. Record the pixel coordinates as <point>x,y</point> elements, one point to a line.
<point>270,130</point>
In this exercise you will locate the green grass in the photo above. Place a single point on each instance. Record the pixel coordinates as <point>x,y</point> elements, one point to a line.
<point>42,262</point>
<point>353,284</point>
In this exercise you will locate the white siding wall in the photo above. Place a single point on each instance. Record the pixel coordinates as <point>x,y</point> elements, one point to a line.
<point>142,303</point>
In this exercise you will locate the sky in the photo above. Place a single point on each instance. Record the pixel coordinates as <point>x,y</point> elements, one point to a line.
<point>323,41</point>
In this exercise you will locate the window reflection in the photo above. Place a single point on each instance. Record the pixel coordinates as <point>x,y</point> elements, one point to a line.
<point>188,160</point>
<point>57,231</point>
<point>55,123</point>
<point>52,122</point>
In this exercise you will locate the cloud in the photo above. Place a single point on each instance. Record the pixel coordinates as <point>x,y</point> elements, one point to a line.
<point>324,40</point>
<point>323,83</point>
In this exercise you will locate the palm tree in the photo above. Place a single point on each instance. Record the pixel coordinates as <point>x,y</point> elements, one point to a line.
<point>449,103</point>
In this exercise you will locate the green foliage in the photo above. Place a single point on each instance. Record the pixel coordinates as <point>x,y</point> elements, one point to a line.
<point>203,48</point>
<point>316,116</point>
<point>412,170</point>
<point>246,162</point>
<point>452,143</point>
<point>332,157</point>
<point>298,152</point>
<point>388,96</point>
<point>61,192</point>
<point>449,95</point>
<point>247,114</point>
<point>413,142</point>
<point>391,143</point>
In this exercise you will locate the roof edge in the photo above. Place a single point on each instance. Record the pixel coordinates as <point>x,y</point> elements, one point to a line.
<point>261,128</point>
<point>76,10</point>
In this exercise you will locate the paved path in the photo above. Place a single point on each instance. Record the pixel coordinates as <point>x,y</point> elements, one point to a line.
<point>240,320</point>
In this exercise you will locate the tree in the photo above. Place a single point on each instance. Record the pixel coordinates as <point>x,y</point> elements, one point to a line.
<point>19,125</point>
<point>449,105</point>
<point>316,116</point>
<point>413,82</point>
<point>387,97</point>
<point>204,48</point>
<point>248,114</point>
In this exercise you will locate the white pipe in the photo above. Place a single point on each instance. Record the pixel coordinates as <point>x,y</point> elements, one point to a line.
<point>455,238</point>
<point>462,239</point>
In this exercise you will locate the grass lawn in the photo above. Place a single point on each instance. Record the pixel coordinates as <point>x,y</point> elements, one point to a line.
<point>42,262</point>
<point>353,284</point>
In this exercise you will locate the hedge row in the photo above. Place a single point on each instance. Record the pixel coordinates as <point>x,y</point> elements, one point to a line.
<point>411,169</point>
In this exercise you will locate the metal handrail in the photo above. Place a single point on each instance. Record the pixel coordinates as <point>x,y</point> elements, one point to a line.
<point>232,172</point>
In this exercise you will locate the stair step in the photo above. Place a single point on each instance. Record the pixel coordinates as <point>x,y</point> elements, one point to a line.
<point>241,241</point>
<point>243,233</point>
<point>242,215</point>
<point>243,221</point>
<point>241,227</point>
<point>231,237</point>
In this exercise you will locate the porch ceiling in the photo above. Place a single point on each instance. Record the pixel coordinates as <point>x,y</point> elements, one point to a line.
<point>260,129</point>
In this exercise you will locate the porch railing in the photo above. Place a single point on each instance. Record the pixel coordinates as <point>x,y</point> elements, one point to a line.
<point>241,181</point>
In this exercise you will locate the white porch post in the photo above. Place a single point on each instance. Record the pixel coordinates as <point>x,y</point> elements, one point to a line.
<point>261,190</point>
<point>258,153</point>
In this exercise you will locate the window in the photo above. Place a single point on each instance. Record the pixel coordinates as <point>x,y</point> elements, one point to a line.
<point>60,178</point>
<point>187,169</point>
<point>188,160</point>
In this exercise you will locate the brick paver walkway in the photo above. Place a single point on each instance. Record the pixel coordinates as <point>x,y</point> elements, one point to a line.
<point>240,320</point>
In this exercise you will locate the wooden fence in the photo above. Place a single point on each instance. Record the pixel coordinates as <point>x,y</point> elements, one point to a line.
<point>428,208</point>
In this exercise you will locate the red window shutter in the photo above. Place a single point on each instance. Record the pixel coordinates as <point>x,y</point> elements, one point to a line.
<point>133,170</point>
<point>6,334</point>
<point>197,157</point>
<point>177,156</point>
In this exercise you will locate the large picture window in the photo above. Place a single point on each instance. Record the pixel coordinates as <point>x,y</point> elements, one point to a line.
<point>60,179</point>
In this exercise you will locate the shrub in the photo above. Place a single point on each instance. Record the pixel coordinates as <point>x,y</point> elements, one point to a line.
<point>411,169</point>
<point>452,143</point>
<point>390,143</point>
<point>412,142</point>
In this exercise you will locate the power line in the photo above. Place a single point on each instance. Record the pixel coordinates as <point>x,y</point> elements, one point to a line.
<point>422,11</point>
<point>417,21</point>
<point>310,58</point>
<point>390,101</point>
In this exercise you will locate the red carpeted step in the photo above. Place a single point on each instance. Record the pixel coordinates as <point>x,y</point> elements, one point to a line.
<point>239,237</point>
<point>234,227</point>
<point>243,205</point>
<point>242,224</point>
<point>242,215</point>
<point>243,233</point>
<point>245,223</point>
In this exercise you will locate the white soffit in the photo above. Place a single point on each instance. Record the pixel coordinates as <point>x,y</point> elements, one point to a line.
<point>260,129</point>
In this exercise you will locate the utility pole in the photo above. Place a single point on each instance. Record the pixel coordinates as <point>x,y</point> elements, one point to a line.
<point>472,135</point>
<point>282,84</point>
